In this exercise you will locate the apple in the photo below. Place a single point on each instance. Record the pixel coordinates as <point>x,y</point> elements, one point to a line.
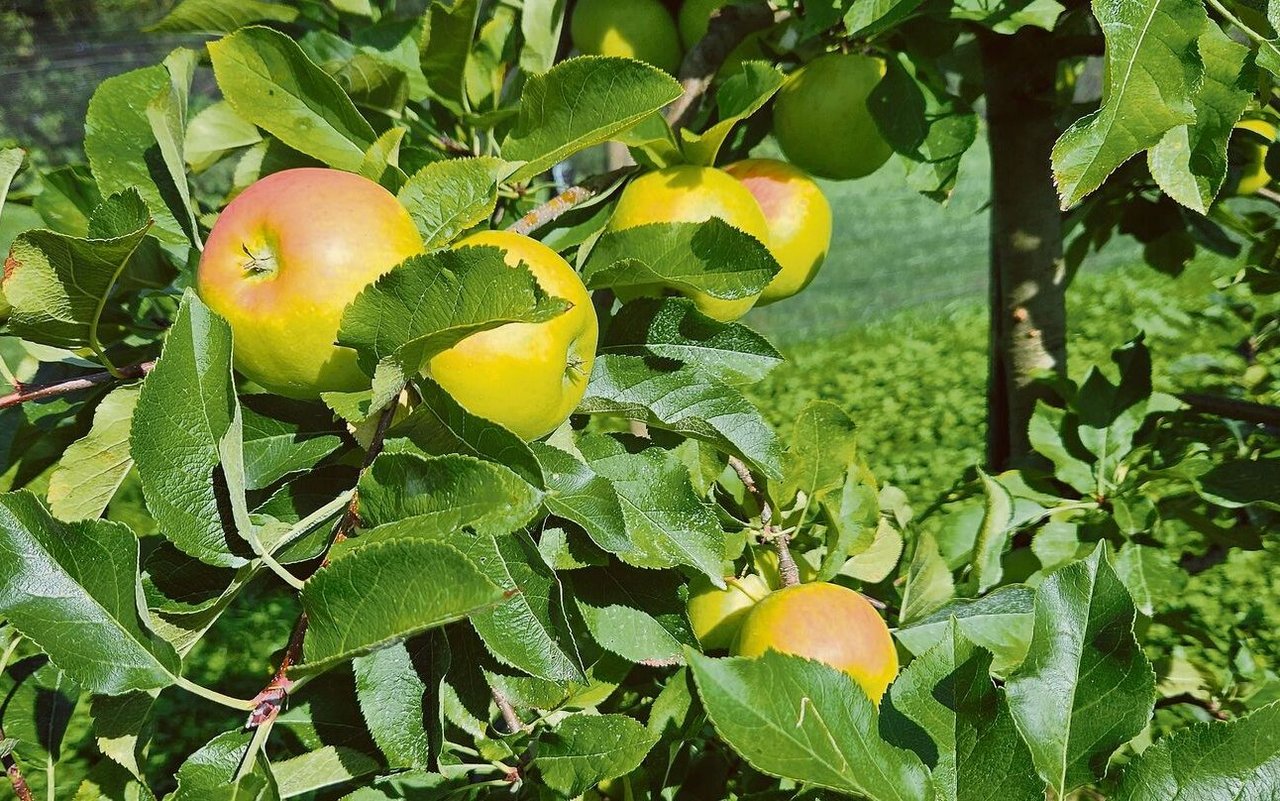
<point>639,29</point>
<point>686,193</point>
<point>828,623</point>
<point>716,614</point>
<point>821,119</point>
<point>283,261</point>
<point>528,377</point>
<point>1247,156</point>
<point>799,220</point>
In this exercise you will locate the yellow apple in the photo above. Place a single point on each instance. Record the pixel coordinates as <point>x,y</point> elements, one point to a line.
<point>283,261</point>
<point>821,119</point>
<point>686,193</point>
<point>639,29</point>
<point>528,377</point>
<point>1247,157</point>
<point>799,219</point>
<point>716,614</point>
<point>828,623</point>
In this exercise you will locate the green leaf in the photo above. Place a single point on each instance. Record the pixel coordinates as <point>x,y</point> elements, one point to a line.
<point>118,723</point>
<point>383,593</point>
<point>1052,433</point>
<point>39,701</point>
<point>439,425</point>
<point>1150,574</point>
<point>993,535</point>
<point>741,95</point>
<point>1001,622</point>
<point>640,616</point>
<point>399,691</point>
<point>1190,162</point>
<point>1210,762</point>
<point>540,26</point>
<point>577,493</point>
<point>215,132</point>
<point>446,198</point>
<point>666,522</point>
<point>877,560</point>
<point>1085,687</point>
<point>167,115</point>
<point>1238,483</point>
<point>184,412</point>
<point>709,257</point>
<point>432,301</point>
<point>446,46</point>
<point>327,766</point>
<point>929,584</point>
<point>582,102</point>
<point>10,162</point>
<point>222,16</point>
<point>209,774</point>
<point>803,720</point>
<point>823,447</point>
<point>92,469</point>
<point>68,195</point>
<point>1007,16</point>
<point>1153,69</point>
<point>59,285</point>
<point>122,150</point>
<point>673,328</point>
<point>685,401</point>
<point>282,437</point>
<point>446,492</point>
<point>269,81</point>
<point>865,18</point>
<point>948,692</point>
<point>584,750</point>
<point>72,589</point>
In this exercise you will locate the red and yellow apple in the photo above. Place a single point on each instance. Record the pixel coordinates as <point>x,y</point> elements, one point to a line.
<point>283,261</point>
<point>639,29</point>
<point>821,119</point>
<point>828,623</point>
<point>686,193</point>
<point>799,220</point>
<point>716,614</point>
<point>528,377</point>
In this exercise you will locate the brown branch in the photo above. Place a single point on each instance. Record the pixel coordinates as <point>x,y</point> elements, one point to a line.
<point>567,200</point>
<point>22,394</point>
<point>1211,706</point>
<point>271,698</point>
<point>729,26</point>
<point>14,772</point>
<point>1245,411</point>
<point>509,717</point>
<point>787,568</point>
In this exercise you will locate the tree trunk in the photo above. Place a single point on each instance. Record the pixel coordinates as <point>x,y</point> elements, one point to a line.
<point>1027,280</point>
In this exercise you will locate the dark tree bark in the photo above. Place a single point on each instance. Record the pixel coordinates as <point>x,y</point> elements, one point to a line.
<point>1027,280</point>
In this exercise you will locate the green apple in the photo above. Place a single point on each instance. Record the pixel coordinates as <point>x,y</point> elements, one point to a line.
<point>639,29</point>
<point>528,377</point>
<point>821,119</point>
<point>283,261</point>
<point>716,614</point>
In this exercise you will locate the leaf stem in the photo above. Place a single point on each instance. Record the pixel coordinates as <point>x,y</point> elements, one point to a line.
<point>1234,20</point>
<point>251,753</point>
<point>212,695</point>
<point>8,652</point>
<point>311,520</point>
<point>50,779</point>
<point>279,569</point>
<point>102,305</point>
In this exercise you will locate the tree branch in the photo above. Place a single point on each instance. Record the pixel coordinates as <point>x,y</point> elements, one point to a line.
<point>567,200</point>
<point>787,568</point>
<point>1211,706</point>
<point>728,27</point>
<point>23,394</point>
<point>509,717</point>
<point>14,772</point>
<point>1246,411</point>
<point>271,698</point>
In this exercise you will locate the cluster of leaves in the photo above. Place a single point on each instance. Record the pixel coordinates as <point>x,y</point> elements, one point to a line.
<point>503,613</point>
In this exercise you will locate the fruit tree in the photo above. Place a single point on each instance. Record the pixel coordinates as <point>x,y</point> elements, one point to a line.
<point>335,348</point>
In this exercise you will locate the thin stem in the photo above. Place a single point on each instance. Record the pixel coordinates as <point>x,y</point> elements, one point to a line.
<point>7,374</point>
<point>1234,20</point>
<point>251,753</point>
<point>781,540</point>
<point>280,570</point>
<point>44,392</point>
<point>509,716</point>
<point>310,521</point>
<point>213,695</point>
<point>50,779</point>
<point>8,653</point>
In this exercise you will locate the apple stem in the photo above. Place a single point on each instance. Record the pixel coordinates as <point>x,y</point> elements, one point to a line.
<point>781,540</point>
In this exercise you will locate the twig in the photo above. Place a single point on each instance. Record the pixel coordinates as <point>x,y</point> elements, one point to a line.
<point>567,200</point>
<point>14,772</point>
<point>729,26</point>
<point>269,701</point>
<point>23,394</point>
<point>787,569</point>
<point>1211,706</point>
<point>1246,411</point>
<point>509,716</point>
